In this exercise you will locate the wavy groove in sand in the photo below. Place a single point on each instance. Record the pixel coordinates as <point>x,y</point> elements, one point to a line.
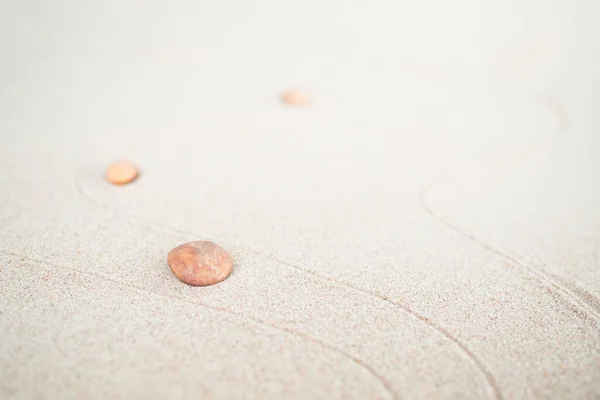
<point>361,364</point>
<point>579,297</point>
<point>494,388</point>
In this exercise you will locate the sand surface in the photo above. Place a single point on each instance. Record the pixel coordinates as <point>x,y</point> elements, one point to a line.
<point>429,227</point>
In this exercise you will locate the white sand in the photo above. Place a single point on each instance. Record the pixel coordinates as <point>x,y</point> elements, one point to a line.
<point>428,228</point>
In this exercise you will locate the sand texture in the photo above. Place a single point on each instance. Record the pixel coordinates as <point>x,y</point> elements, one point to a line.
<point>428,226</point>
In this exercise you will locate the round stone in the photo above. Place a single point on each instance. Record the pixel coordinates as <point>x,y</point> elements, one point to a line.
<point>121,172</point>
<point>200,263</point>
<point>295,98</point>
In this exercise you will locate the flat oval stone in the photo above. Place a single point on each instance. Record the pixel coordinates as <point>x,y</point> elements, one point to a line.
<point>295,98</point>
<point>121,172</point>
<point>200,263</point>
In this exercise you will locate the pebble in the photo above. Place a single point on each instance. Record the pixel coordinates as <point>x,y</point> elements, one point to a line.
<point>121,172</point>
<point>295,98</point>
<point>200,263</point>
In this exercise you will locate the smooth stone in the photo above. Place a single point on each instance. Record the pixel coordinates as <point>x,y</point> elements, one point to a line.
<point>200,263</point>
<point>295,98</point>
<point>121,172</point>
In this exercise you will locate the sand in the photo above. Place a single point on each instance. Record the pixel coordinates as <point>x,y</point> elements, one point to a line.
<point>428,227</point>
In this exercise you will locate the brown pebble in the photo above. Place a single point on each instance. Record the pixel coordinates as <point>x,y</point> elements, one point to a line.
<point>121,172</point>
<point>200,263</point>
<point>295,98</point>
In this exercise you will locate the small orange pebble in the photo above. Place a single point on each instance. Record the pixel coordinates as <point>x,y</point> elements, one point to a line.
<point>121,172</point>
<point>295,98</point>
<point>200,263</point>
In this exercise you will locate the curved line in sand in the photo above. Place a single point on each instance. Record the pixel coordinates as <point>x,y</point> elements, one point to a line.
<point>580,297</point>
<point>356,361</point>
<point>488,376</point>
